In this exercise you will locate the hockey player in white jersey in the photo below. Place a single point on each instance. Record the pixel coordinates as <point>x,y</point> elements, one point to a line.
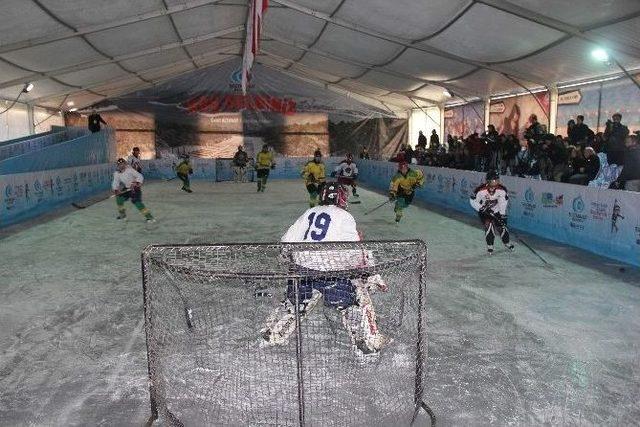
<point>490,201</point>
<point>347,173</point>
<point>330,222</point>
<point>127,184</point>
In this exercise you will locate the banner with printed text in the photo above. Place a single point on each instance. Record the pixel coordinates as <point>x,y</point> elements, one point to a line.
<point>606,222</point>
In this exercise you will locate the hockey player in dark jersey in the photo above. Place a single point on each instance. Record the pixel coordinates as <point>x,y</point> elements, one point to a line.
<point>490,201</point>
<point>134,159</point>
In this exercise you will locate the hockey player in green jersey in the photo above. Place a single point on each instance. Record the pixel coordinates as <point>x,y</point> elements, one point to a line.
<point>183,170</point>
<point>403,186</point>
<point>264,164</point>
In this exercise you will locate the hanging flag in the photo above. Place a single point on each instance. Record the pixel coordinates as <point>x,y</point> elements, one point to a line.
<point>252,42</point>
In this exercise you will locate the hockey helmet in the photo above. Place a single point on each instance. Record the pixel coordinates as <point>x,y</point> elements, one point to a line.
<point>121,164</point>
<point>492,175</point>
<point>349,156</point>
<point>333,193</point>
<point>402,165</point>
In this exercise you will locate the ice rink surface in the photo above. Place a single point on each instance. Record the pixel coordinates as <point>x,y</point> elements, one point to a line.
<point>512,341</point>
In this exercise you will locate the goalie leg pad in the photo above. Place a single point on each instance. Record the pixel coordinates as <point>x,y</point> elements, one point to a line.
<point>360,323</point>
<point>282,321</point>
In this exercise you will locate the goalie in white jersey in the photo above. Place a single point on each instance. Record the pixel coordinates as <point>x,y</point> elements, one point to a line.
<point>330,222</point>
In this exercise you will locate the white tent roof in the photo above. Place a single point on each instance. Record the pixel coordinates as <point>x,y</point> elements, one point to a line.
<point>400,52</point>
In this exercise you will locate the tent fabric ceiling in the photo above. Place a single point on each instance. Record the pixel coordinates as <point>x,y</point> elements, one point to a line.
<point>401,52</point>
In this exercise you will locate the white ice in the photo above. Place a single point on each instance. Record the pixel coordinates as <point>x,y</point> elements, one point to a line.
<point>511,340</point>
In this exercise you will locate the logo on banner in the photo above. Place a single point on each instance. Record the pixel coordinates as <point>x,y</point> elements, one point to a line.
<point>577,217</point>
<point>38,190</point>
<point>615,216</point>
<point>59,185</point>
<point>529,205</point>
<point>599,211</point>
<point>497,108</point>
<point>549,201</point>
<point>573,97</point>
<point>529,195</point>
<point>235,80</point>
<point>9,198</point>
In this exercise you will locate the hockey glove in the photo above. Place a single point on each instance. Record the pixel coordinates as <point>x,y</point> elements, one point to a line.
<point>273,166</point>
<point>392,196</point>
<point>311,178</point>
<point>190,171</point>
<point>333,174</point>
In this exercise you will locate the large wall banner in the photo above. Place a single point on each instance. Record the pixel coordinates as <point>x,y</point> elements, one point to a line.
<point>511,116</point>
<point>27,195</point>
<point>464,120</point>
<point>598,102</point>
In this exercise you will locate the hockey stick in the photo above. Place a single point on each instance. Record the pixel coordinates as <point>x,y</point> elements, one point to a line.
<point>93,202</point>
<point>501,223</point>
<point>170,179</point>
<point>378,207</point>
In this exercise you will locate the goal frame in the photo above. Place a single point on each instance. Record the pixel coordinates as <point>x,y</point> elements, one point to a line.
<point>421,342</point>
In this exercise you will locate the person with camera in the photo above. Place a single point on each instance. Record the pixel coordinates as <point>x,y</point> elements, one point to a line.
<point>614,137</point>
<point>580,134</point>
<point>535,130</point>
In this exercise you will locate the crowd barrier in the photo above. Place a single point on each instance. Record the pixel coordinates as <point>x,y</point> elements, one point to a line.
<point>606,222</point>
<point>94,148</point>
<point>24,145</point>
<point>27,195</point>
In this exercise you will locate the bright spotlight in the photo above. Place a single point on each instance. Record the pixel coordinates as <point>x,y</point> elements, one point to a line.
<point>447,93</point>
<point>70,104</point>
<point>600,55</point>
<point>27,87</point>
<point>73,109</point>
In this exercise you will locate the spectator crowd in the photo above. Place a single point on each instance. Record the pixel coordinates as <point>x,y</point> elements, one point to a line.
<point>574,159</point>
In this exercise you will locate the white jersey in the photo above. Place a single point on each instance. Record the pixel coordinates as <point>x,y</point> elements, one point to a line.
<point>327,224</point>
<point>123,180</point>
<point>347,170</point>
<point>496,203</point>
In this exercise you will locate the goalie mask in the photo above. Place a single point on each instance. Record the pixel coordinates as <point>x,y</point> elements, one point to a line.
<point>333,193</point>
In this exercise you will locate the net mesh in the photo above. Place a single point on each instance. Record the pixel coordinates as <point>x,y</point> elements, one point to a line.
<point>286,334</point>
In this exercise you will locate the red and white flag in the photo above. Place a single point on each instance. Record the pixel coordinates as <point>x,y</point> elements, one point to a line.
<point>252,43</point>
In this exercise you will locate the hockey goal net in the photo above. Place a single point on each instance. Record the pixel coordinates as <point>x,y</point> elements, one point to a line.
<point>327,334</point>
